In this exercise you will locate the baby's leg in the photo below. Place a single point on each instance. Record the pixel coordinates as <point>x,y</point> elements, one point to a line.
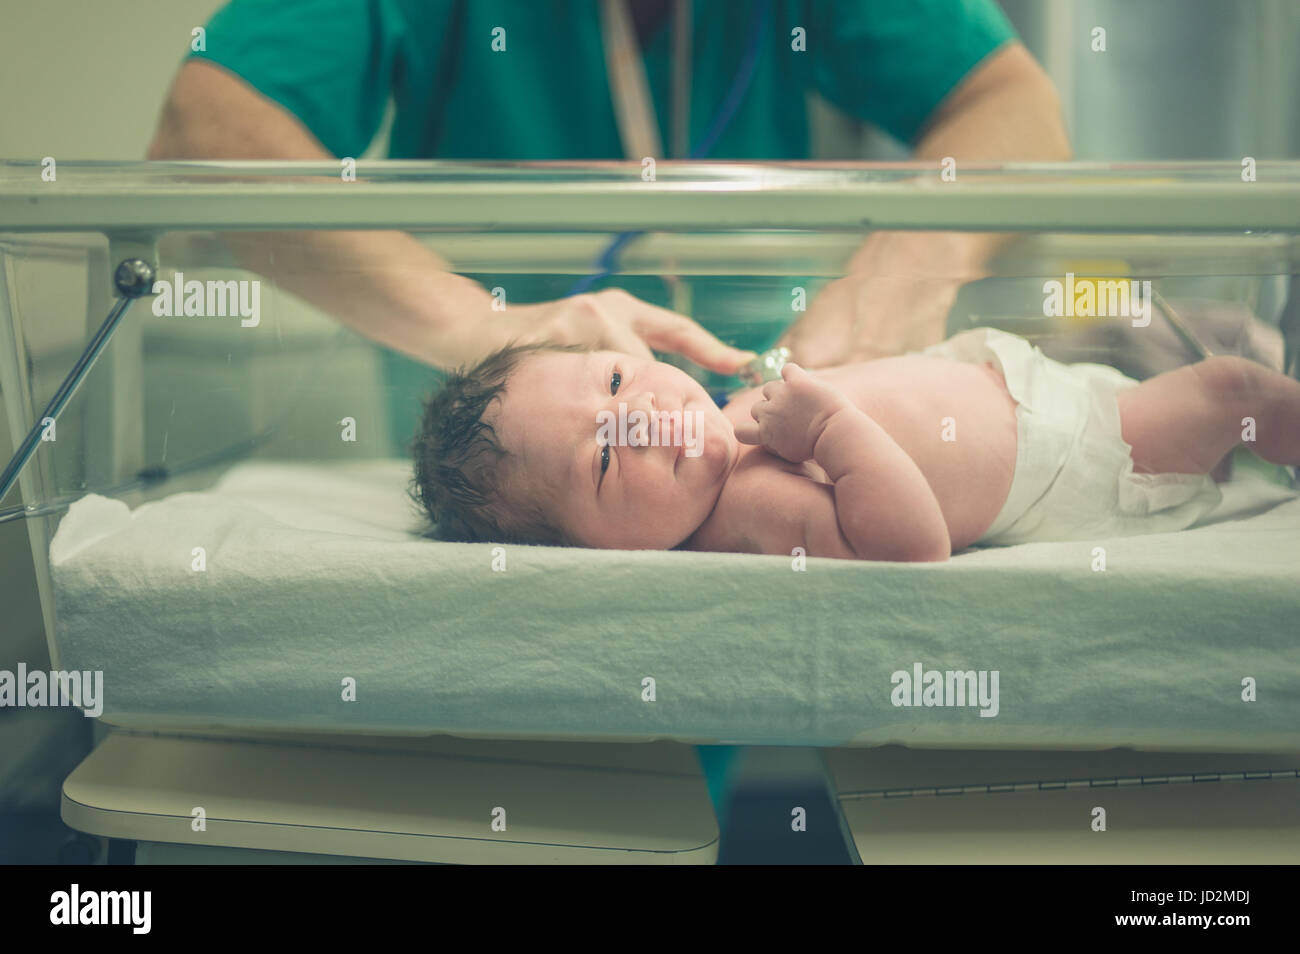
<point>1184,421</point>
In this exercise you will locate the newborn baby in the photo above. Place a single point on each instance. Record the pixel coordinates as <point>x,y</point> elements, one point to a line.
<point>979,440</point>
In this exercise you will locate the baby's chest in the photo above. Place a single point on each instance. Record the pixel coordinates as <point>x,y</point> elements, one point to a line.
<point>764,498</point>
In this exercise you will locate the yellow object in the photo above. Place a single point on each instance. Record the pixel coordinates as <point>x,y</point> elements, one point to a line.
<point>1088,274</point>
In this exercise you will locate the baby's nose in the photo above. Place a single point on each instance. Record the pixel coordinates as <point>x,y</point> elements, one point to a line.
<point>642,401</point>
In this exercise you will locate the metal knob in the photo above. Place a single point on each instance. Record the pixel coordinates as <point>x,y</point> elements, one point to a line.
<point>133,278</point>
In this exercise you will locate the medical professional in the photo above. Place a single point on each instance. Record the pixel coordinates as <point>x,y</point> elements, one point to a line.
<point>607,79</point>
<point>547,79</point>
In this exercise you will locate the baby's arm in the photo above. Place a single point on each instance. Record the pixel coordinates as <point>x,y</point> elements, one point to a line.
<point>883,504</point>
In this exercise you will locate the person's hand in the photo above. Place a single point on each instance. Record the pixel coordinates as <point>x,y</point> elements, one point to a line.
<point>792,415</point>
<point>861,317</point>
<point>617,321</point>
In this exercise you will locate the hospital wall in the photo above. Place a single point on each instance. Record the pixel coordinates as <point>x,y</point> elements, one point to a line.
<point>1179,79</point>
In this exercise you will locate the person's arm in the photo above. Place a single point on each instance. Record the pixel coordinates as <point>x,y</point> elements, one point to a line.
<point>884,504</point>
<point>386,285</point>
<point>899,286</point>
<point>1007,108</point>
<point>884,507</point>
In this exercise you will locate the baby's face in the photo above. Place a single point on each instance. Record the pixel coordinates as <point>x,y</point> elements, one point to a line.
<point>571,420</point>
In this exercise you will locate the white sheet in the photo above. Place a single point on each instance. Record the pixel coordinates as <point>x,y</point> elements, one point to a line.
<point>313,576</point>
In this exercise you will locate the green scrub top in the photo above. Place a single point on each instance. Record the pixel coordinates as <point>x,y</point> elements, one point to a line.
<point>526,79</point>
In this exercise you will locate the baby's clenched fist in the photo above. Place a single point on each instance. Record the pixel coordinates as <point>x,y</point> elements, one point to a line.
<point>792,414</point>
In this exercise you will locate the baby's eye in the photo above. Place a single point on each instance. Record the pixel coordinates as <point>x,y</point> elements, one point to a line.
<point>604,458</point>
<point>614,382</point>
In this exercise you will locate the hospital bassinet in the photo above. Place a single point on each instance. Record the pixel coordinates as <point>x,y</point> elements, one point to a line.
<point>203,532</point>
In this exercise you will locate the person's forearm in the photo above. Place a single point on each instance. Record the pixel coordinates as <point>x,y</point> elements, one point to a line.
<point>884,504</point>
<point>385,285</point>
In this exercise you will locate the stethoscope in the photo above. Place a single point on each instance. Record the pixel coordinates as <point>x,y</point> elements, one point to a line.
<point>639,130</point>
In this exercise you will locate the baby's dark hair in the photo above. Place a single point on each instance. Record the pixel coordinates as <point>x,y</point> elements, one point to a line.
<point>460,477</point>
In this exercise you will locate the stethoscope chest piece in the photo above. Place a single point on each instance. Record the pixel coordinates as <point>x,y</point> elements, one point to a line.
<point>766,367</point>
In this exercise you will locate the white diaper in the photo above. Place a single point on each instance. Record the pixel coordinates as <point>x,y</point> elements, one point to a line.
<point>1074,474</point>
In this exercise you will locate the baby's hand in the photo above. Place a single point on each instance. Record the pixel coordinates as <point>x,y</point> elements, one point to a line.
<point>792,414</point>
